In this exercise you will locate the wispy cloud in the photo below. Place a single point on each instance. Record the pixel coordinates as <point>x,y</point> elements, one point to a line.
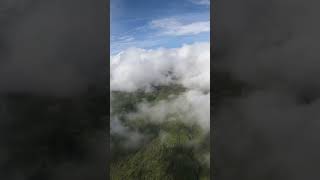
<point>126,38</point>
<point>119,45</point>
<point>201,2</point>
<point>173,27</point>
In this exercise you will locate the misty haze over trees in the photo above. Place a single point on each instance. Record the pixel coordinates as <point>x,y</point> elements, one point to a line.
<point>160,113</point>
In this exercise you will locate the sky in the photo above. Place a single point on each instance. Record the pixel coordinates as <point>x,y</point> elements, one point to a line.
<point>151,24</point>
<point>160,43</point>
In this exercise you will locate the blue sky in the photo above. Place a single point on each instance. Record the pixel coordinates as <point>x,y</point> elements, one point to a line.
<point>152,24</point>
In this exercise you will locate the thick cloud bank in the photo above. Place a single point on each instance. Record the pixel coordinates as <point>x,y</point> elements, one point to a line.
<point>143,70</point>
<point>140,69</point>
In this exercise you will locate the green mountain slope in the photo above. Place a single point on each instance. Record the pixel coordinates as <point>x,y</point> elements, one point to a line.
<point>174,151</point>
<point>165,158</point>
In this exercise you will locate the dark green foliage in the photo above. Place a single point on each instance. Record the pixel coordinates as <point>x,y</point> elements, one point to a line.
<point>123,102</point>
<point>170,153</point>
<point>159,160</point>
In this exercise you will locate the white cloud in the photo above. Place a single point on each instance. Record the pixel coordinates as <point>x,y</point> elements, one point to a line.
<point>173,27</point>
<point>136,68</point>
<point>126,38</point>
<point>201,2</point>
<point>132,138</point>
<point>188,65</point>
<point>118,46</point>
<point>190,107</point>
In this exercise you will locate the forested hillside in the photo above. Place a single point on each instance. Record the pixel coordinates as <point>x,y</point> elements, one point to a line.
<point>172,148</point>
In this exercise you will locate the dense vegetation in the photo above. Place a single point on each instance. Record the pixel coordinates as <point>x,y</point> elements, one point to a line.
<point>168,153</point>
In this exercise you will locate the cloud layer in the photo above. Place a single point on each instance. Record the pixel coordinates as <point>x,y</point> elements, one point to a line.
<point>173,27</point>
<point>140,69</point>
<point>191,107</point>
<point>136,69</point>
